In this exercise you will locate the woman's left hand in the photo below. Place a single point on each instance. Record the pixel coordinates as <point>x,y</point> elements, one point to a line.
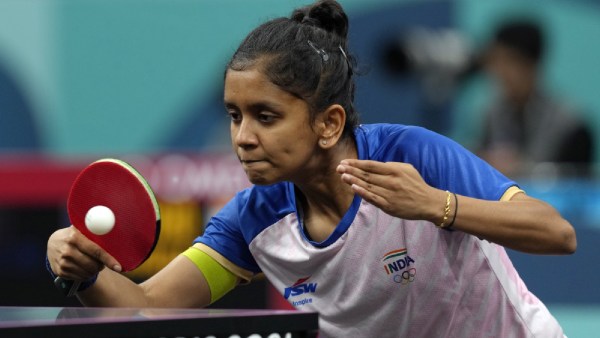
<point>521,223</point>
<point>396,188</point>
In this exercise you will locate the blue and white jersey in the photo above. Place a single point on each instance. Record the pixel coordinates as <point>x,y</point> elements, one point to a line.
<point>378,275</point>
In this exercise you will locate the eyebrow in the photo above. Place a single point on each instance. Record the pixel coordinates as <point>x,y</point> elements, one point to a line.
<point>257,106</point>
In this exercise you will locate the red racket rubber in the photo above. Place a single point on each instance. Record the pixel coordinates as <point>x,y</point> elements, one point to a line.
<point>118,186</point>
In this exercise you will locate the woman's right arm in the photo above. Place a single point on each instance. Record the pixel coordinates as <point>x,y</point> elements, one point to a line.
<point>73,256</point>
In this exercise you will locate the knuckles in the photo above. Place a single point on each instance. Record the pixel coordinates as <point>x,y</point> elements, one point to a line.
<point>71,238</point>
<point>97,253</point>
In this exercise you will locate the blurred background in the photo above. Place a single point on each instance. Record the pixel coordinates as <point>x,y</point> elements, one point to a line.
<point>141,80</point>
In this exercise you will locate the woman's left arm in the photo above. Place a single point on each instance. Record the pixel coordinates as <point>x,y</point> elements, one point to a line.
<point>522,223</point>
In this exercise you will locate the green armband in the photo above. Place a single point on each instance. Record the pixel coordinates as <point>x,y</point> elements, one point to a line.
<point>220,280</point>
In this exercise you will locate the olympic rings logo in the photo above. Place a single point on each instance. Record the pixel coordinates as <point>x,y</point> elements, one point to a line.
<point>407,276</point>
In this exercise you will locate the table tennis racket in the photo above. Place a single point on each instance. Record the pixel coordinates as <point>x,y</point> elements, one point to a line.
<point>118,186</point>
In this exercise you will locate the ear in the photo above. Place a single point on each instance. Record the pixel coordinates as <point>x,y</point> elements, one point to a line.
<point>330,125</point>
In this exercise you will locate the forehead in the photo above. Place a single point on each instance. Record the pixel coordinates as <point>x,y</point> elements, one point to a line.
<point>242,86</point>
<point>235,78</point>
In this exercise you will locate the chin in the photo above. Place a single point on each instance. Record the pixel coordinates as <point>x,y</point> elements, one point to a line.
<point>258,179</point>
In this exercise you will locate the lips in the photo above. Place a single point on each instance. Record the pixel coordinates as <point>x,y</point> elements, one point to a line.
<point>251,163</point>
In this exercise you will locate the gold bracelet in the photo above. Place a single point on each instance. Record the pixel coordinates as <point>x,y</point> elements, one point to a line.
<point>446,210</point>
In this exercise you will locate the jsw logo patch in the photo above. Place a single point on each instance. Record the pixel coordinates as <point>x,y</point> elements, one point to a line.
<point>300,288</point>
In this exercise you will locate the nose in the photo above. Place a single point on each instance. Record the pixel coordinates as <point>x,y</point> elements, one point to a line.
<point>243,134</point>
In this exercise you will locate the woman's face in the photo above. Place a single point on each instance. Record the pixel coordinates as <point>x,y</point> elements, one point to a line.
<point>271,131</point>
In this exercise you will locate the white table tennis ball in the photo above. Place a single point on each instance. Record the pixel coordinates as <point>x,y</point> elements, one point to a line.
<point>100,220</point>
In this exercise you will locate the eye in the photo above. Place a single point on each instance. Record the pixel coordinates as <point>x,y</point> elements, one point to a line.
<point>266,118</point>
<point>234,115</point>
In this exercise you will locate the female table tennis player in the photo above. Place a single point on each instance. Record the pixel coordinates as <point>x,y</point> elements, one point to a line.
<point>385,230</point>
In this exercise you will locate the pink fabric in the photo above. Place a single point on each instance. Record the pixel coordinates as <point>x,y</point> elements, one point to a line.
<point>446,284</point>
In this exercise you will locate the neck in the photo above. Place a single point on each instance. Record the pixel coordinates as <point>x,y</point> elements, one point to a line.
<point>323,196</point>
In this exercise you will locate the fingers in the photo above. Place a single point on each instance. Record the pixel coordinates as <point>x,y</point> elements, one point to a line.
<point>361,186</point>
<point>367,166</point>
<point>396,188</point>
<point>95,252</point>
<point>73,256</point>
<point>69,270</point>
<point>372,173</point>
<point>354,175</point>
<point>369,179</point>
<point>370,195</point>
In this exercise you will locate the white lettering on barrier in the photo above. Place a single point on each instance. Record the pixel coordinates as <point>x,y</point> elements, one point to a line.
<point>178,177</point>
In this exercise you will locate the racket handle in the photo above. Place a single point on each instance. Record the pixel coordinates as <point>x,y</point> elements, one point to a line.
<point>67,287</point>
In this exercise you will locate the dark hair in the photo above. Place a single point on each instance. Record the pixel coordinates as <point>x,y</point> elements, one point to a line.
<point>307,56</point>
<point>523,36</point>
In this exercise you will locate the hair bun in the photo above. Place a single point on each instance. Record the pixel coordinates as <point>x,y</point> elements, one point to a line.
<point>326,14</point>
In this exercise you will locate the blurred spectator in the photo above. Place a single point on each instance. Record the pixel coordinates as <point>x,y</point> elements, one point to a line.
<point>525,125</point>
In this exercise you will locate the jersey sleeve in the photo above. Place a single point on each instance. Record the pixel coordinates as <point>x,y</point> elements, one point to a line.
<point>223,236</point>
<point>442,162</point>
